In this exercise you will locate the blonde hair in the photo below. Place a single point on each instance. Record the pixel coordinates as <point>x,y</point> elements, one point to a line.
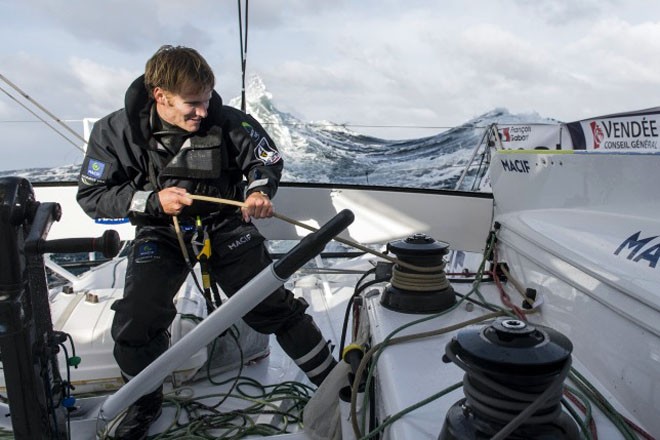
<point>178,69</point>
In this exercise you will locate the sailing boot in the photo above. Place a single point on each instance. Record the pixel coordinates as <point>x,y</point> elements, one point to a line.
<point>139,416</point>
<point>304,343</point>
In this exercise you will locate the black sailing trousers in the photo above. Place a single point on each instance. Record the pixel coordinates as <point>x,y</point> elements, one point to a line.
<point>156,270</point>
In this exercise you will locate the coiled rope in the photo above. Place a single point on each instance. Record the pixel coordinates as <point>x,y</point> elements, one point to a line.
<point>420,282</point>
<point>509,406</point>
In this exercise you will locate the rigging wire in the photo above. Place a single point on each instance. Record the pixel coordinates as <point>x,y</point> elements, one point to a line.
<point>40,118</point>
<point>313,124</point>
<point>43,109</point>
<point>243,49</point>
<point>355,125</point>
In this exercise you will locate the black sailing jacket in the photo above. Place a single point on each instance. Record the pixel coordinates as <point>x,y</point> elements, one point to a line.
<point>125,166</point>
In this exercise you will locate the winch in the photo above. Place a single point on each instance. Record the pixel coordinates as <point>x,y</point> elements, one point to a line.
<point>424,289</point>
<point>513,383</point>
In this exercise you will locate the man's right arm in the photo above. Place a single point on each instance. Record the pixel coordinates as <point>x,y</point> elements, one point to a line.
<point>105,189</point>
<point>107,182</point>
<point>102,190</point>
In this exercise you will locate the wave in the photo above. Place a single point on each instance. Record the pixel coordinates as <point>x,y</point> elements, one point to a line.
<point>324,152</point>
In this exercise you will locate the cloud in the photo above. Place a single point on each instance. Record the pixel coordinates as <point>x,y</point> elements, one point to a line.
<point>371,62</point>
<point>617,52</point>
<point>103,87</point>
<point>568,12</point>
<point>123,25</point>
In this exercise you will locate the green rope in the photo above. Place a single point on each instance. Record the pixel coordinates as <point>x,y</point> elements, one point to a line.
<point>588,416</point>
<point>601,402</point>
<point>394,417</point>
<point>197,420</point>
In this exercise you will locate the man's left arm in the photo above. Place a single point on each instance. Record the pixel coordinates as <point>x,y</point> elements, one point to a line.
<point>261,163</point>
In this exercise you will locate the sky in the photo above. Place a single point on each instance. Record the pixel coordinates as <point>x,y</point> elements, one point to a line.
<point>380,66</point>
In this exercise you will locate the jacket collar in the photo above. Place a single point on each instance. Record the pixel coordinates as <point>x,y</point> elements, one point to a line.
<point>138,104</point>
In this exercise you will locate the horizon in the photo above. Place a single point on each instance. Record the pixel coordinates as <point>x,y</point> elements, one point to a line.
<point>256,93</point>
<point>391,69</point>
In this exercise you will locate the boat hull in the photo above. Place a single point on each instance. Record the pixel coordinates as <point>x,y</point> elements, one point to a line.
<point>582,232</point>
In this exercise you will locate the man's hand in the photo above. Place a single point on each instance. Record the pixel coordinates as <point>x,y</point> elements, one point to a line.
<point>257,205</point>
<point>173,200</point>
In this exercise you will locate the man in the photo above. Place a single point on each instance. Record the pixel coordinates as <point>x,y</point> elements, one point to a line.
<point>174,138</point>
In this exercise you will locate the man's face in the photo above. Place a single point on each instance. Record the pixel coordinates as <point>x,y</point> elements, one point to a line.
<point>185,110</point>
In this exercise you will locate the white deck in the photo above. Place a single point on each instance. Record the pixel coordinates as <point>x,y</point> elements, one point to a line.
<point>607,307</point>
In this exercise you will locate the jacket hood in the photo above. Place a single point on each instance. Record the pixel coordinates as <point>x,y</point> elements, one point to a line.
<point>138,103</point>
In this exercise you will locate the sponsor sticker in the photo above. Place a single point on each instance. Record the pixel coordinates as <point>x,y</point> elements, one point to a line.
<point>265,153</point>
<point>516,166</point>
<point>251,131</point>
<point>528,137</point>
<point>645,249</point>
<point>626,133</point>
<point>146,252</point>
<point>111,221</point>
<point>95,168</point>
<point>515,133</point>
<point>239,242</point>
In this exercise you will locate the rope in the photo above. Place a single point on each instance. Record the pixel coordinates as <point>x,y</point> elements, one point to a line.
<point>179,237</point>
<point>519,287</point>
<point>189,264</point>
<point>510,406</point>
<point>420,282</point>
<point>391,340</point>
<point>313,229</point>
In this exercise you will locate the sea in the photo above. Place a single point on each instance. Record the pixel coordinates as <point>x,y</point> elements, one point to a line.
<point>330,153</point>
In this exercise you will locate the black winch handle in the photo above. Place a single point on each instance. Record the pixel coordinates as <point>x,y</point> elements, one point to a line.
<point>312,245</point>
<point>108,244</point>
